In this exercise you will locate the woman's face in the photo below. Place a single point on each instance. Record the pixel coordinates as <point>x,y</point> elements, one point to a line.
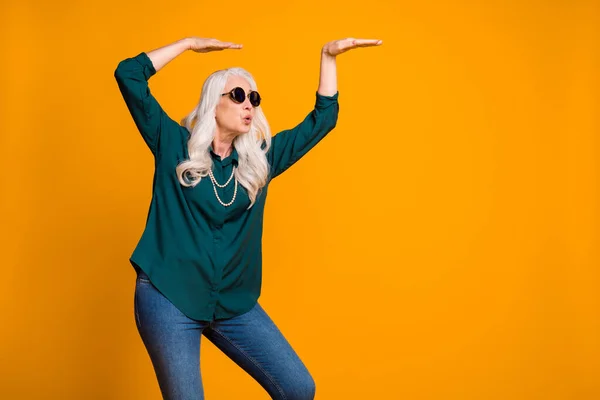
<point>233,118</point>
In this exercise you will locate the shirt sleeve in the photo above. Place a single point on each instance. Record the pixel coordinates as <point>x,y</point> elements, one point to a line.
<point>288,146</point>
<point>132,75</point>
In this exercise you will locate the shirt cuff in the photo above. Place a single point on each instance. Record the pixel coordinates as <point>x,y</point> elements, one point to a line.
<point>324,101</point>
<point>146,63</point>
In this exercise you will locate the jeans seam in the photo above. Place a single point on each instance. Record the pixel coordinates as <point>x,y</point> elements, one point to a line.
<point>254,362</point>
<point>136,305</point>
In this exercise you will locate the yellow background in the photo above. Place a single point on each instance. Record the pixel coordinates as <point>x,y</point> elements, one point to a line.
<point>440,243</point>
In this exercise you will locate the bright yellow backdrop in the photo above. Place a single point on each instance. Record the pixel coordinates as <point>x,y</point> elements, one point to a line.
<point>440,243</point>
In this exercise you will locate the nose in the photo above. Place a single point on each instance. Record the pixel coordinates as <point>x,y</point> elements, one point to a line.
<point>247,105</point>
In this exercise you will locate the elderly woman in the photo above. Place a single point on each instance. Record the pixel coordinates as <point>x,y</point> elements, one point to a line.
<point>199,259</point>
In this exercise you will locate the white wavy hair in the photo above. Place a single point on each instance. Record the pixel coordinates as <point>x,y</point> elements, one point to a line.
<point>253,167</point>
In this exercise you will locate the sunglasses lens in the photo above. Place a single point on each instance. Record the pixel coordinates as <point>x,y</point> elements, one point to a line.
<point>254,98</point>
<point>238,95</point>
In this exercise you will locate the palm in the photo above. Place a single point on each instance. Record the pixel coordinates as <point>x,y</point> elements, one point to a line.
<point>336,47</point>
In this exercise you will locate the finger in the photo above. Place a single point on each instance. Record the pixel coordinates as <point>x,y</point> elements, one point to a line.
<point>229,45</point>
<point>347,44</point>
<point>367,42</point>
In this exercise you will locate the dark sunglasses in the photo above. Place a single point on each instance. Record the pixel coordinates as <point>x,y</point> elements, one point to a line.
<point>239,95</point>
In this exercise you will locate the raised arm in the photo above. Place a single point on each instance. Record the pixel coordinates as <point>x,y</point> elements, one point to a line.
<point>288,146</point>
<point>132,75</point>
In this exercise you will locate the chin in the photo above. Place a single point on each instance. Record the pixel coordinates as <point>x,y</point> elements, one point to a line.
<point>246,128</point>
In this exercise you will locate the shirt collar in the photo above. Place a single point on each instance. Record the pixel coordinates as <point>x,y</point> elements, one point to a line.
<point>232,158</point>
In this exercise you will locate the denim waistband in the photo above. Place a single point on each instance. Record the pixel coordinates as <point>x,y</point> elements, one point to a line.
<point>140,273</point>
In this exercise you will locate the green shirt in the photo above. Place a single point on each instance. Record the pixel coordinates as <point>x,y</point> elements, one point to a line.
<point>204,257</point>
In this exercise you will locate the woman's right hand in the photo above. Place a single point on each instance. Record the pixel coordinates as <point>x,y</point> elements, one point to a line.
<point>204,45</point>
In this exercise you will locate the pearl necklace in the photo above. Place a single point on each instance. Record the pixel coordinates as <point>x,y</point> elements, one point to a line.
<point>214,182</point>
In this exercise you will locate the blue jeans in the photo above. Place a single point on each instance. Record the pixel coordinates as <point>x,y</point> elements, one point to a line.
<point>251,340</point>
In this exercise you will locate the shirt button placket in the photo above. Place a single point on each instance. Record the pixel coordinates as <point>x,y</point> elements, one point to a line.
<point>218,237</point>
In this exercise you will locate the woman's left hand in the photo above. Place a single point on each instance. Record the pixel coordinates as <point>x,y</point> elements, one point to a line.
<point>336,47</point>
